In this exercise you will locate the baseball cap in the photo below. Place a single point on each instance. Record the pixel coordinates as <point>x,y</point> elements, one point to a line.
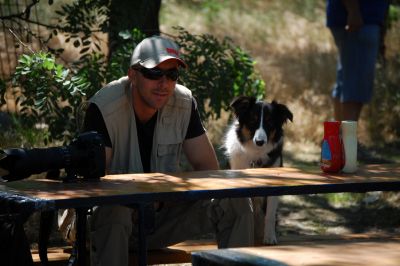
<point>154,50</point>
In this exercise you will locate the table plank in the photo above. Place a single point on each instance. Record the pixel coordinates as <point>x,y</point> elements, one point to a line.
<point>130,188</point>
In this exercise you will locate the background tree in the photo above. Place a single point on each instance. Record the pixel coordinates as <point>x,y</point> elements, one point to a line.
<point>133,14</point>
<point>53,95</point>
<point>82,16</point>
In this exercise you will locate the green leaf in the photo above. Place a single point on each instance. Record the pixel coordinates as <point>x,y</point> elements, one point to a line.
<point>48,64</point>
<point>25,59</point>
<point>126,35</point>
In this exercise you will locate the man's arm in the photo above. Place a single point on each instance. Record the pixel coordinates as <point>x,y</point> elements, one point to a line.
<point>108,158</point>
<point>94,121</point>
<point>200,153</point>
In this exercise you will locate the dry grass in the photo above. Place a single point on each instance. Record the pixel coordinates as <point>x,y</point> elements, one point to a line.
<point>294,51</point>
<point>290,51</point>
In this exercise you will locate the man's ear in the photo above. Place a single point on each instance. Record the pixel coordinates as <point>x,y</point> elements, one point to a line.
<point>132,74</point>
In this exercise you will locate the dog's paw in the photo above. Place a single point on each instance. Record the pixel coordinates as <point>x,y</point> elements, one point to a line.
<point>270,231</point>
<point>270,236</point>
<point>270,240</point>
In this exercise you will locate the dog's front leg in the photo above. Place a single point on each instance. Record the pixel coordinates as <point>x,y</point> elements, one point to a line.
<point>270,221</point>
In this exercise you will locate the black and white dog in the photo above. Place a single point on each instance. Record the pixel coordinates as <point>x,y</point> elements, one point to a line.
<point>253,140</point>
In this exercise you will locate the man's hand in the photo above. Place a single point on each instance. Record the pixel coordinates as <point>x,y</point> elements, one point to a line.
<point>354,18</point>
<point>354,21</point>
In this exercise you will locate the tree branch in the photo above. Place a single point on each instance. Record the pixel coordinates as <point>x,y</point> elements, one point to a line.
<point>24,14</point>
<point>21,42</point>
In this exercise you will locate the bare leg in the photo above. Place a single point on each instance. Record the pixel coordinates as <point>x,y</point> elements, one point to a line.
<point>347,110</point>
<point>337,108</point>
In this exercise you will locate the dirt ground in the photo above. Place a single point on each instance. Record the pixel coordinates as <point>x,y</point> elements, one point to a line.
<point>339,213</point>
<point>315,214</point>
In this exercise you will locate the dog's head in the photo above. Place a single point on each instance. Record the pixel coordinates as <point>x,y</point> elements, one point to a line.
<point>260,122</point>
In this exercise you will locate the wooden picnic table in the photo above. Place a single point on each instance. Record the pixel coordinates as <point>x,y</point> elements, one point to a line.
<point>141,189</point>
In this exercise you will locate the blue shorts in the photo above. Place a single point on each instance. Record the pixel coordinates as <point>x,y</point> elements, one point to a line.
<point>358,52</point>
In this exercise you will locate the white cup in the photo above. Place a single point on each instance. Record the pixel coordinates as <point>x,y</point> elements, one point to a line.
<point>349,137</point>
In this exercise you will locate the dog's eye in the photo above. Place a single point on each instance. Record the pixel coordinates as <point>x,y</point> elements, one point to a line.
<point>268,123</point>
<point>253,121</point>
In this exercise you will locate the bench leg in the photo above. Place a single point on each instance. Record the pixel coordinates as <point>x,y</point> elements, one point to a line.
<point>81,214</point>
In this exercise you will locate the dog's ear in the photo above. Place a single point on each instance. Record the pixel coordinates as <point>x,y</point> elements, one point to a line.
<point>282,112</point>
<point>242,103</point>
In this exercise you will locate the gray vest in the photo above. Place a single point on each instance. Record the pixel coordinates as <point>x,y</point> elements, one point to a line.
<point>115,104</point>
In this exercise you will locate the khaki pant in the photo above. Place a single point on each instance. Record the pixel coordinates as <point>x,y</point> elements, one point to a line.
<point>111,227</point>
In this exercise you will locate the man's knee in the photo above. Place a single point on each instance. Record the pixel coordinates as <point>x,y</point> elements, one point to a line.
<point>112,215</point>
<point>238,206</point>
<point>230,209</point>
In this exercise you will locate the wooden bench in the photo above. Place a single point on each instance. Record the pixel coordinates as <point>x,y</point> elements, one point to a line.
<point>57,256</point>
<point>354,250</point>
<point>179,253</point>
<point>333,250</point>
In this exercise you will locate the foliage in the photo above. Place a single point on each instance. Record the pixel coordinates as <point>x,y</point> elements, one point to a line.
<point>78,21</point>
<point>120,59</point>
<point>20,135</point>
<point>50,95</point>
<point>217,71</point>
<point>393,14</point>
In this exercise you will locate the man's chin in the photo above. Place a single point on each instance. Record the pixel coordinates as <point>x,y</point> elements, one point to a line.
<point>159,103</point>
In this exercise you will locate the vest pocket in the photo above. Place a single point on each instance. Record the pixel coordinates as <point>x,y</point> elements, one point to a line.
<point>168,156</point>
<point>165,149</point>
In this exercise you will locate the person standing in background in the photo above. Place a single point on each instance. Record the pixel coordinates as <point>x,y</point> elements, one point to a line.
<point>357,28</point>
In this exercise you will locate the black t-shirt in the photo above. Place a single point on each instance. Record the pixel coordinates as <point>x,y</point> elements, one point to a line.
<point>94,122</point>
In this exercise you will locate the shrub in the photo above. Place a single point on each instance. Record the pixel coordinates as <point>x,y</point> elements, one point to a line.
<point>52,95</point>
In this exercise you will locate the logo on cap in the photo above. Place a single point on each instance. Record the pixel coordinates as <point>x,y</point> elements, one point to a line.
<point>172,51</point>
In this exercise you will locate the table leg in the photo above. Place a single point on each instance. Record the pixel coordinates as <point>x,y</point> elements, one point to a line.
<point>46,224</point>
<point>81,214</point>
<point>142,245</point>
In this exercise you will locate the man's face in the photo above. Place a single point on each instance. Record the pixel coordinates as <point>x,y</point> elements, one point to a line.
<point>153,93</point>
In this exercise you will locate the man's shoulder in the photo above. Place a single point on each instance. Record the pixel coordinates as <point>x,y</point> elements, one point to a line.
<point>182,97</point>
<point>113,89</point>
<point>111,96</point>
<point>182,91</point>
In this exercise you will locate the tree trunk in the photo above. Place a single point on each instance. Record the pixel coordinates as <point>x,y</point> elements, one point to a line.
<point>130,14</point>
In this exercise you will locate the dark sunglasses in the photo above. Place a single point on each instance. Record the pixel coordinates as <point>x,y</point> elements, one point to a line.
<point>156,73</point>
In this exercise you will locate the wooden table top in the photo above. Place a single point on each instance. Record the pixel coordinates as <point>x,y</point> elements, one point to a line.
<point>131,188</point>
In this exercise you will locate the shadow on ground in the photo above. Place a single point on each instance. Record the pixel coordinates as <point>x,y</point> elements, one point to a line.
<point>339,213</point>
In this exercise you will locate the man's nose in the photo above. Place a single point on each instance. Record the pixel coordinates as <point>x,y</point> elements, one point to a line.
<point>163,81</point>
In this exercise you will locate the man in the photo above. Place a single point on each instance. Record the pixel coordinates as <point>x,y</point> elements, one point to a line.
<point>147,120</point>
<point>357,29</point>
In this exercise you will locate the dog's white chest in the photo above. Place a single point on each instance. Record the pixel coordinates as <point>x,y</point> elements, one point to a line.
<point>245,155</point>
